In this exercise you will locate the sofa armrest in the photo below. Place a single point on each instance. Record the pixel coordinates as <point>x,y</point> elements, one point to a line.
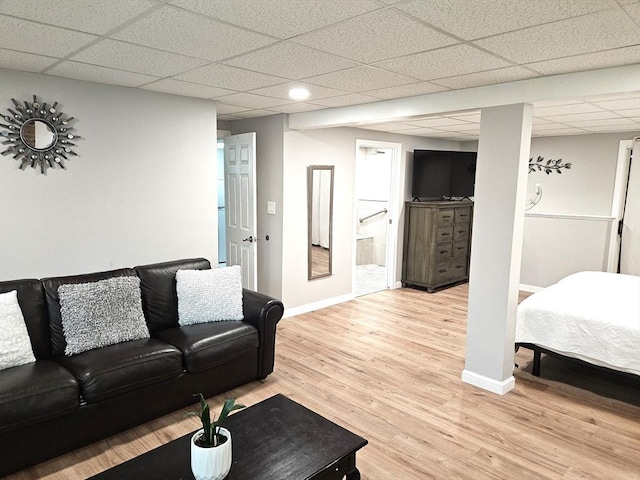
<point>264,313</point>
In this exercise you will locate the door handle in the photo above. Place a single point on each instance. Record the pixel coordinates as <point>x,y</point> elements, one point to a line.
<point>250,239</point>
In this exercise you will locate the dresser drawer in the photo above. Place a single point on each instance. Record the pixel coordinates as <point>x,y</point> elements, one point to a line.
<point>463,215</point>
<point>460,249</point>
<point>461,232</point>
<point>444,251</point>
<point>444,234</point>
<point>446,216</point>
<point>451,269</point>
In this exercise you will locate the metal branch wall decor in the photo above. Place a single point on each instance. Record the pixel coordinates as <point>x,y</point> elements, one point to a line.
<point>38,135</point>
<point>539,165</point>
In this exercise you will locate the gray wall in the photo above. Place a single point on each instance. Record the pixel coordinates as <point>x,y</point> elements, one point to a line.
<point>142,190</point>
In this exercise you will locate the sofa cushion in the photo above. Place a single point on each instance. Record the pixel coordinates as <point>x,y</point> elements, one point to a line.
<point>101,313</point>
<point>35,392</point>
<point>158,286</point>
<point>34,311</point>
<point>51,285</point>
<point>207,345</point>
<point>15,346</point>
<point>109,371</point>
<point>209,295</point>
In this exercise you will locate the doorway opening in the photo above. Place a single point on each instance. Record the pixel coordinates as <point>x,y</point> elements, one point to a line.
<point>222,218</point>
<point>375,211</point>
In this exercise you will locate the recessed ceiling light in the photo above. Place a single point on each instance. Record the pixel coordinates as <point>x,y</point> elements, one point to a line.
<point>299,93</point>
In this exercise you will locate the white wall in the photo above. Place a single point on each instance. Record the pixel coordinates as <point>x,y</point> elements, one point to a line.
<point>143,188</point>
<point>333,146</point>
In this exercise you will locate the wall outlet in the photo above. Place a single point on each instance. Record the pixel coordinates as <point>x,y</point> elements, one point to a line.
<point>271,208</point>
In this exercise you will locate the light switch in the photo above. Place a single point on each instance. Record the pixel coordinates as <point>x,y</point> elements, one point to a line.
<point>271,208</point>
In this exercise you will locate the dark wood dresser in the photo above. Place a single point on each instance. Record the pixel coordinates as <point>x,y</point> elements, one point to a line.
<point>437,239</point>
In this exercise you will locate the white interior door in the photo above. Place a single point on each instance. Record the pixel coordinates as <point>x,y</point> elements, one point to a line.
<point>240,202</point>
<point>630,248</point>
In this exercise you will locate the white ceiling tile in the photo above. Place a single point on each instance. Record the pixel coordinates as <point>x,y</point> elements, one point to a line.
<point>291,60</point>
<point>27,62</point>
<point>251,100</point>
<point>560,132</point>
<point>555,103</point>
<point>472,19</point>
<point>550,126</point>
<point>231,78</point>
<point>360,79</point>
<point>183,32</point>
<point>390,127</point>
<point>255,113</point>
<point>376,36</point>
<point>296,108</point>
<point>463,127</point>
<point>26,36</point>
<point>627,2</point>
<point>626,104</point>
<point>467,117</point>
<point>282,91</point>
<point>565,109</point>
<point>437,122</point>
<point>612,96</point>
<point>490,77</point>
<point>281,18</point>
<point>95,73</point>
<point>634,12</point>
<point>590,33</point>
<point>93,16</point>
<point>177,87</point>
<point>633,112</point>
<point>421,131</point>
<point>410,90</point>
<point>351,99</point>
<point>582,116</point>
<point>444,62</point>
<point>135,58</point>
<point>588,61</point>
<point>225,108</point>
<point>612,128</point>
<point>598,123</point>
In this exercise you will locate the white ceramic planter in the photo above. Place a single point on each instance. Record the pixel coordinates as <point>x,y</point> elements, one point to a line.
<point>211,463</point>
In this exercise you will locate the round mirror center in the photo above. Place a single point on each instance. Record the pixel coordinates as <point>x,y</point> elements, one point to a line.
<point>38,134</point>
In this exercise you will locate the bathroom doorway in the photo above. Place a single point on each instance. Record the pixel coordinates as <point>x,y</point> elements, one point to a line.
<point>375,214</point>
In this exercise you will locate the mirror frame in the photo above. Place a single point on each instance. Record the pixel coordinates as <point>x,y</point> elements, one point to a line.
<point>310,172</point>
<point>25,113</point>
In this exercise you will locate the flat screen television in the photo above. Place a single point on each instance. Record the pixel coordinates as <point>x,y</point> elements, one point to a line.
<point>443,174</point>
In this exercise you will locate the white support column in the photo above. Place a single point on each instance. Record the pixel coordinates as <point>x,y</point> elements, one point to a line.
<point>496,245</point>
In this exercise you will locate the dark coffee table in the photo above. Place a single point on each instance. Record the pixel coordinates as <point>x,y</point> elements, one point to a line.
<point>276,439</point>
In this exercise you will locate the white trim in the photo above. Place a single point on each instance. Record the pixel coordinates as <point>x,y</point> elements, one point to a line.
<point>619,189</point>
<point>397,285</point>
<point>486,383</point>
<point>310,307</point>
<point>530,288</point>
<point>566,216</point>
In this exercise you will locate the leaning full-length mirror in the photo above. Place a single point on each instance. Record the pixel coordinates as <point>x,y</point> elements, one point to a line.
<point>320,213</point>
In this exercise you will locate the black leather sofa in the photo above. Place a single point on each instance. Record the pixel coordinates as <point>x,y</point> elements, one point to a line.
<point>60,403</point>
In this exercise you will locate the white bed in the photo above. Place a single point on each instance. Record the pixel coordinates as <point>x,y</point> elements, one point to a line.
<point>591,316</point>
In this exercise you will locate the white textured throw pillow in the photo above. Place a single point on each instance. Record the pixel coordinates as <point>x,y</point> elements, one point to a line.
<point>209,295</point>
<point>15,345</point>
<point>101,313</point>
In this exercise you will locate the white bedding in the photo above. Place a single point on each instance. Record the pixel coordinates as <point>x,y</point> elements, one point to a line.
<point>592,316</point>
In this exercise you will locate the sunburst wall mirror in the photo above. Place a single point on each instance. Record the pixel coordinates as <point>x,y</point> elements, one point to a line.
<point>38,135</point>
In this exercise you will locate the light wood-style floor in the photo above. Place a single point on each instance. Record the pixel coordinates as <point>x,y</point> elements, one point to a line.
<point>388,366</point>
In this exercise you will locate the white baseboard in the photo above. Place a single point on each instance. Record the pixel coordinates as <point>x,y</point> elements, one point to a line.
<point>530,288</point>
<point>398,285</point>
<point>310,307</point>
<point>487,383</point>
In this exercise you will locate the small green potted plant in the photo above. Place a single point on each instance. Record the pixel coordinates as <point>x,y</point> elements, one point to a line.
<point>211,445</point>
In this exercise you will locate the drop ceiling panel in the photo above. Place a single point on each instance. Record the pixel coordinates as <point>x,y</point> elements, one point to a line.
<point>627,104</point>
<point>135,58</point>
<point>178,31</point>
<point>613,122</point>
<point>360,79</point>
<point>376,36</point>
<point>93,16</point>
<point>95,73</point>
<point>565,109</point>
<point>176,87</point>
<point>445,62</point>
<point>291,60</point>
<point>295,108</point>
<point>26,36</point>
<point>251,100</point>
<point>282,91</point>
<point>27,62</point>
<point>634,12</point>
<point>438,122</point>
<point>343,100</point>
<point>582,116</point>
<point>560,132</point>
<point>410,90</point>
<point>232,78</point>
<point>282,18</point>
<point>490,77</point>
<point>613,128</point>
<point>588,61</point>
<point>599,31</point>
<point>225,109</point>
